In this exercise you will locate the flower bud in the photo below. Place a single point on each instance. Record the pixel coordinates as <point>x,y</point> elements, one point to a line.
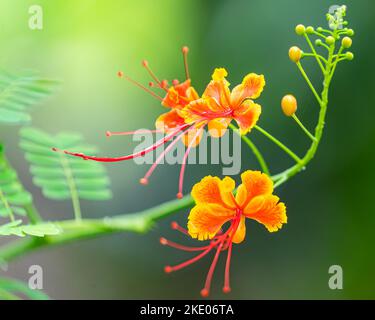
<point>300,29</point>
<point>319,29</point>
<point>318,42</point>
<point>350,32</point>
<point>346,42</point>
<point>309,29</point>
<point>289,105</point>
<point>330,40</point>
<point>295,54</point>
<point>349,55</point>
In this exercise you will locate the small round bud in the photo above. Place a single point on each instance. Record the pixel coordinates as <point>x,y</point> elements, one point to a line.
<point>319,29</point>
<point>350,32</point>
<point>346,42</point>
<point>289,105</point>
<point>295,54</point>
<point>349,55</point>
<point>300,29</point>
<point>330,40</point>
<point>318,42</point>
<point>309,29</point>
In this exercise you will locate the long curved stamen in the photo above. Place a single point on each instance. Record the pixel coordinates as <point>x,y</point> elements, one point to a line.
<point>206,290</point>
<point>175,245</point>
<point>122,75</point>
<point>183,165</point>
<point>185,51</point>
<point>169,269</point>
<point>128,133</point>
<point>144,180</point>
<point>176,226</point>
<point>153,76</point>
<point>127,157</point>
<point>226,288</point>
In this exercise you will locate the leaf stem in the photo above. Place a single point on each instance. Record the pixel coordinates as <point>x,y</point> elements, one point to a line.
<point>72,187</point>
<point>294,116</point>
<point>253,148</point>
<point>314,51</point>
<point>279,144</point>
<point>299,65</point>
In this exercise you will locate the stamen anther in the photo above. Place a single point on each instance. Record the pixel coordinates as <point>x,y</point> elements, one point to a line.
<point>143,181</point>
<point>163,241</point>
<point>204,293</point>
<point>185,51</point>
<point>179,195</point>
<point>168,269</point>
<point>120,74</point>
<point>175,82</point>
<point>226,289</point>
<point>108,133</point>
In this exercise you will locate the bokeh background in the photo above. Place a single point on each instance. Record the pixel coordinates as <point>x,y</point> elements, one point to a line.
<point>330,205</point>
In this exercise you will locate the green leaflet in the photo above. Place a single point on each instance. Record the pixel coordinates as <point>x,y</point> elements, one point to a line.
<point>11,289</point>
<point>19,93</point>
<point>16,228</point>
<point>13,197</point>
<point>61,176</point>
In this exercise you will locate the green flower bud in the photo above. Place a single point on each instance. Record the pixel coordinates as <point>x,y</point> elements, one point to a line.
<point>309,29</point>
<point>350,32</point>
<point>300,29</point>
<point>318,42</point>
<point>349,55</point>
<point>346,42</point>
<point>319,29</point>
<point>330,40</point>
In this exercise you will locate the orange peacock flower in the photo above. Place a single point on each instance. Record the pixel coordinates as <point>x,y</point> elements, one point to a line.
<point>189,114</point>
<point>219,217</point>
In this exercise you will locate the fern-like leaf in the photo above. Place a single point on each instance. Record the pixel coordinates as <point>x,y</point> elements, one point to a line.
<point>11,289</point>
<point>13,197</point>
<point>18,93</point>
<point>16,228</point>
<point>60,176</point>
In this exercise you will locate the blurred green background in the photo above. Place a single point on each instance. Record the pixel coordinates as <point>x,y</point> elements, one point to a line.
<point>330,209</point>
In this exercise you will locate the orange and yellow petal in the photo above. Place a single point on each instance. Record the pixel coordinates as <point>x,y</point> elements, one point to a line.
<point>178,96</point>
<point>218,127</point>
<point>247,115</point>
<point>254,183</point>
<point>205,220</point>
<point>251,87</point>
<point>240,233</point>
<point>267,210</point>
<point>169,121</point>
<point>215,191</point>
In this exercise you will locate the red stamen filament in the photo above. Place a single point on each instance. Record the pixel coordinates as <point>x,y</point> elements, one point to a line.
<point>126,133</point>
<point>152,74</point>
<point>122,75</point>
<point>183,165</point>
<point>185,51</point>
<point>206,290</point>
<point>226,288</point>
<point>175,245</point>
<point>161,156</point>
<point>127,157</point>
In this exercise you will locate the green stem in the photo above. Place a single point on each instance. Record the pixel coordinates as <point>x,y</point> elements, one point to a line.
<point>299,65</point>
<point>279,144</point>
<point>72,187</point>
<point>313,55</point>
<point>6,205</point>
<point>253,148</point>
<point>294,116</point>
<point>314,51</point>
<point>73,230</point>
<point>288,173</point>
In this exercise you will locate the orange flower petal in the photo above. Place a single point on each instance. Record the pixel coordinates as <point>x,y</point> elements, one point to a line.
<point>205,220</point>
<point>178,96</point>
<point>218,127</point>
<point>251,87</point>
<point>168,121</point>
<point>240,234</point>
<point>218,88</point>
<point>268,211</point>
<point>214,190</point>
<point>254,183</point>
<point>247,115</point>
